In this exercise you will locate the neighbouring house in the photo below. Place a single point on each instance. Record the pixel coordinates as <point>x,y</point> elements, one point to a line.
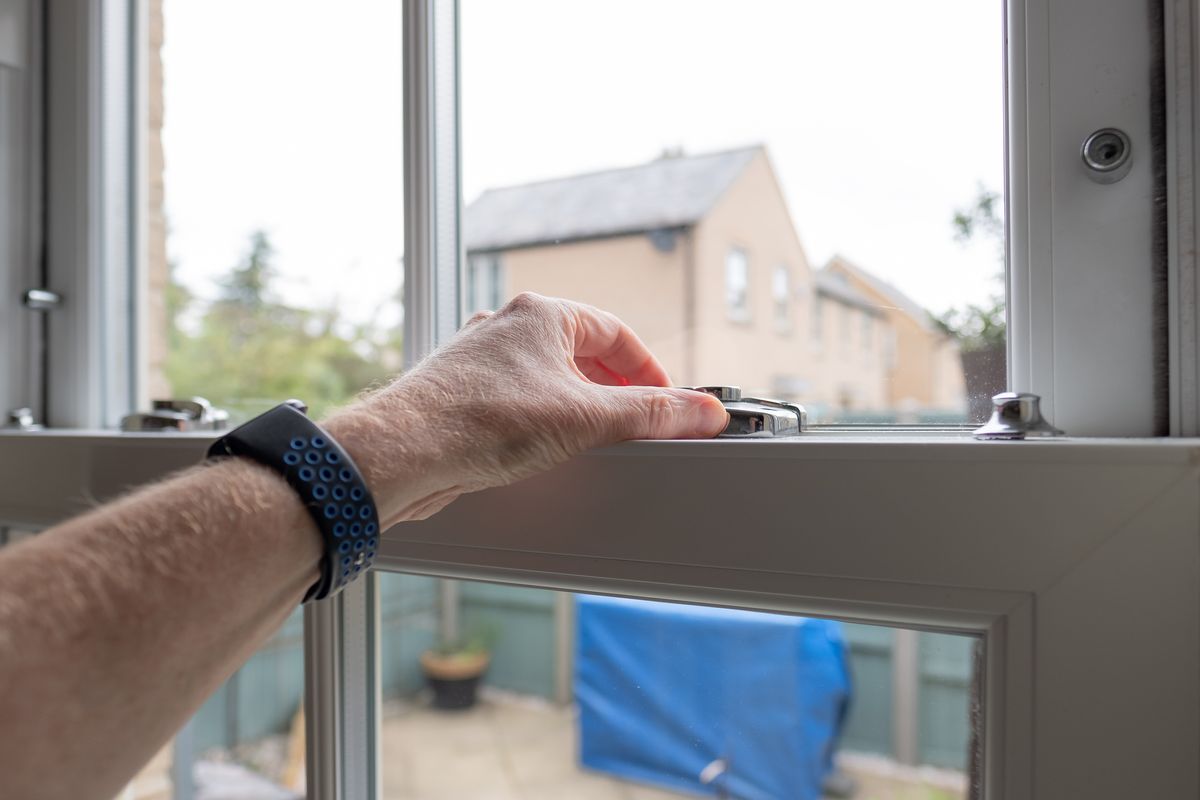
<point>700,256</point>
<point>924,366</point>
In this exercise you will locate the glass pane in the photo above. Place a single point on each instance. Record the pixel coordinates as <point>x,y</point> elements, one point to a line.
<point>544,694</point>
<point>665,159</point>
<point>274,203</point>
<point>247,740</point>
<point>274,200</point>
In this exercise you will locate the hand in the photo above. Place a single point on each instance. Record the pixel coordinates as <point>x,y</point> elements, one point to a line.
<point>514,393</point>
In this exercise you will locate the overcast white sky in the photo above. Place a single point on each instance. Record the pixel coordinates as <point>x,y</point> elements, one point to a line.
<point>880,117</point>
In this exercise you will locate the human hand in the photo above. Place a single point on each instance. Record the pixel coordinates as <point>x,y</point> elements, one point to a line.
<point>515,392</point>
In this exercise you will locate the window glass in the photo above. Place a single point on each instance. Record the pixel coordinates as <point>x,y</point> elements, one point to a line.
<point>737,279</point>
<point>484,284</point>
<point>556,695</point>
<point>274,200</point>
<point>859,143</point>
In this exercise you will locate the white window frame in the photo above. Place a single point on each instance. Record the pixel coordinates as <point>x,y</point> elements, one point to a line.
<point>20,199</point>
<point>1077,560</point>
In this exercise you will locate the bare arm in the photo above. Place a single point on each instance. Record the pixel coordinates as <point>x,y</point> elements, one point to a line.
<point>115,626</point>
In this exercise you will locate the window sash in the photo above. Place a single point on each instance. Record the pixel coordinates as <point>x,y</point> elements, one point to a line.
<point>1052,631</point>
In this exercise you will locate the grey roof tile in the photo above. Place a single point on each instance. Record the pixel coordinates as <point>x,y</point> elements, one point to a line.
<point>837,287</point>
<point>668,192</point>
<point>896,297</point>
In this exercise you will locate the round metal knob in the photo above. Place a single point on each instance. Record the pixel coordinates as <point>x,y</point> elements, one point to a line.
<point>1108,155</point>
<point>1016,415</point>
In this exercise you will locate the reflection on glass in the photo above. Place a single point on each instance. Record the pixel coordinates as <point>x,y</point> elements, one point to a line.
<point>543,694</point>
<point>795,197</point>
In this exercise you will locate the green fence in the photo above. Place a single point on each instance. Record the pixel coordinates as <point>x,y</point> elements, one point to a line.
<point>519,625</point>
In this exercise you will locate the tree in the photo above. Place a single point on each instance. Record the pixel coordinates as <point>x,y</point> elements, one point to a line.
<point>979,327</point>
<point>251,351</point>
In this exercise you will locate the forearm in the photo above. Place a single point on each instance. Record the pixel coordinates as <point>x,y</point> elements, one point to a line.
<point>115,626</point>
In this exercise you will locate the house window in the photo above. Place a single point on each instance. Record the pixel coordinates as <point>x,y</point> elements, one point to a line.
<point>868,332</point>
<point>781,295</point>
<point>737,284</point>
<point>818,318</point>
<point>484,283</point>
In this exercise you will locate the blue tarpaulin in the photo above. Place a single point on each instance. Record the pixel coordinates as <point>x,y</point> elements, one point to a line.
<point>665,690</point>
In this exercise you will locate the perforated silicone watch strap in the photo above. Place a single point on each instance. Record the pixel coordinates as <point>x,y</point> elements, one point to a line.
<point>327,481</point>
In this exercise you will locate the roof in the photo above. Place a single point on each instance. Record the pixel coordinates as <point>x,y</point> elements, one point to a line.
<point>836,286</point>
<point>669,192</point>
<point>896,298</point>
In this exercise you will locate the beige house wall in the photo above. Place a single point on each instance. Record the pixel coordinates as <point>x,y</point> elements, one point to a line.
<point>626,275</point>
<point>849,357</point>
<point>155,319</point>
<point>927,371</point>
<point>755,353</point>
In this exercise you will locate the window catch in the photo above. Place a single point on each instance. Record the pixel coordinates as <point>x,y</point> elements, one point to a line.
<point>194,414</point>
<point>753,417</point>
<point>21,419</point>
<point>1016,415</point>
<point>41,299</point>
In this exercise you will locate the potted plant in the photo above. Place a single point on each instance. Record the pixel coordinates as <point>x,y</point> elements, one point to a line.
<point>453,671</point>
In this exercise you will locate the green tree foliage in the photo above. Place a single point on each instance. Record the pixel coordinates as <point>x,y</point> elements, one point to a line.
<point>979,327</point>
<point>249,351</point>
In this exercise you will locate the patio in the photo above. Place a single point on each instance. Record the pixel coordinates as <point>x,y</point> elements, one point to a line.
<point>508,747</point>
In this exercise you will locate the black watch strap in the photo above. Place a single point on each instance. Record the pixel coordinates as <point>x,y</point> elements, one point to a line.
<point>329,484</point>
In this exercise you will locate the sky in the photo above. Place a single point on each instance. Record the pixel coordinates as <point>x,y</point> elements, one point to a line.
<point>881,118</point>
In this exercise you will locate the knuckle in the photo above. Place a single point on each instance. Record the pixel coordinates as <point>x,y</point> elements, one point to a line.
<point>526,301</point>
<point>660,413</point>
<point>477,317</point>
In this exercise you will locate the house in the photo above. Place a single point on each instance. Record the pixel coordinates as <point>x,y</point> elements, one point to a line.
<point>700,256</point>
<point>923,363</point>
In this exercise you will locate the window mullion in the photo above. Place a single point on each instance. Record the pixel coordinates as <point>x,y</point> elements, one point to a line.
<point>1083,279</point>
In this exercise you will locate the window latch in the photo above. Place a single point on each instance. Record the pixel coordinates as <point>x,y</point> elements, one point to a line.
<point>22,419</point>
<point>41,299</point>
<point>194,414</point>
<point>1016,415</point>
<point>754,417</point>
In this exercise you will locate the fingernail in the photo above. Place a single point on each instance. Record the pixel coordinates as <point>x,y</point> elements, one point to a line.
<point>709,417</point>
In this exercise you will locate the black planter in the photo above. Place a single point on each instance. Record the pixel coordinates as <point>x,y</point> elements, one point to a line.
<point>454,694</point>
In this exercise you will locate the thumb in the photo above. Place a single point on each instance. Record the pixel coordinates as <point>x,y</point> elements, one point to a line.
<point>653,412</point>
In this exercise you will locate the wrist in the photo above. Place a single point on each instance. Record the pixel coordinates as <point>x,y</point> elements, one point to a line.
<point>263,492</point>
<point>396,451</point>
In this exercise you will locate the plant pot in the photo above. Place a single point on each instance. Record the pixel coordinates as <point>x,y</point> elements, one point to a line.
<point>454,678</point>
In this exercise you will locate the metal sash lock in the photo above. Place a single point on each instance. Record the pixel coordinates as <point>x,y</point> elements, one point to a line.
<point>194,414</point>
<point>753,417</point>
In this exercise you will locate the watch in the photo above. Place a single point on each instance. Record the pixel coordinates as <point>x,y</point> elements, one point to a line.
<point>330,486</point>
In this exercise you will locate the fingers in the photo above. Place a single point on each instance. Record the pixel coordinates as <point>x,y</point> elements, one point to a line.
<point>613,352</point>
<point>606,350</point>
<point>652,413</point>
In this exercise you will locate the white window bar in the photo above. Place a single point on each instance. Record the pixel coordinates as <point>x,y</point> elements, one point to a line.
<point>20,203</point>
<point>91,225</point>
